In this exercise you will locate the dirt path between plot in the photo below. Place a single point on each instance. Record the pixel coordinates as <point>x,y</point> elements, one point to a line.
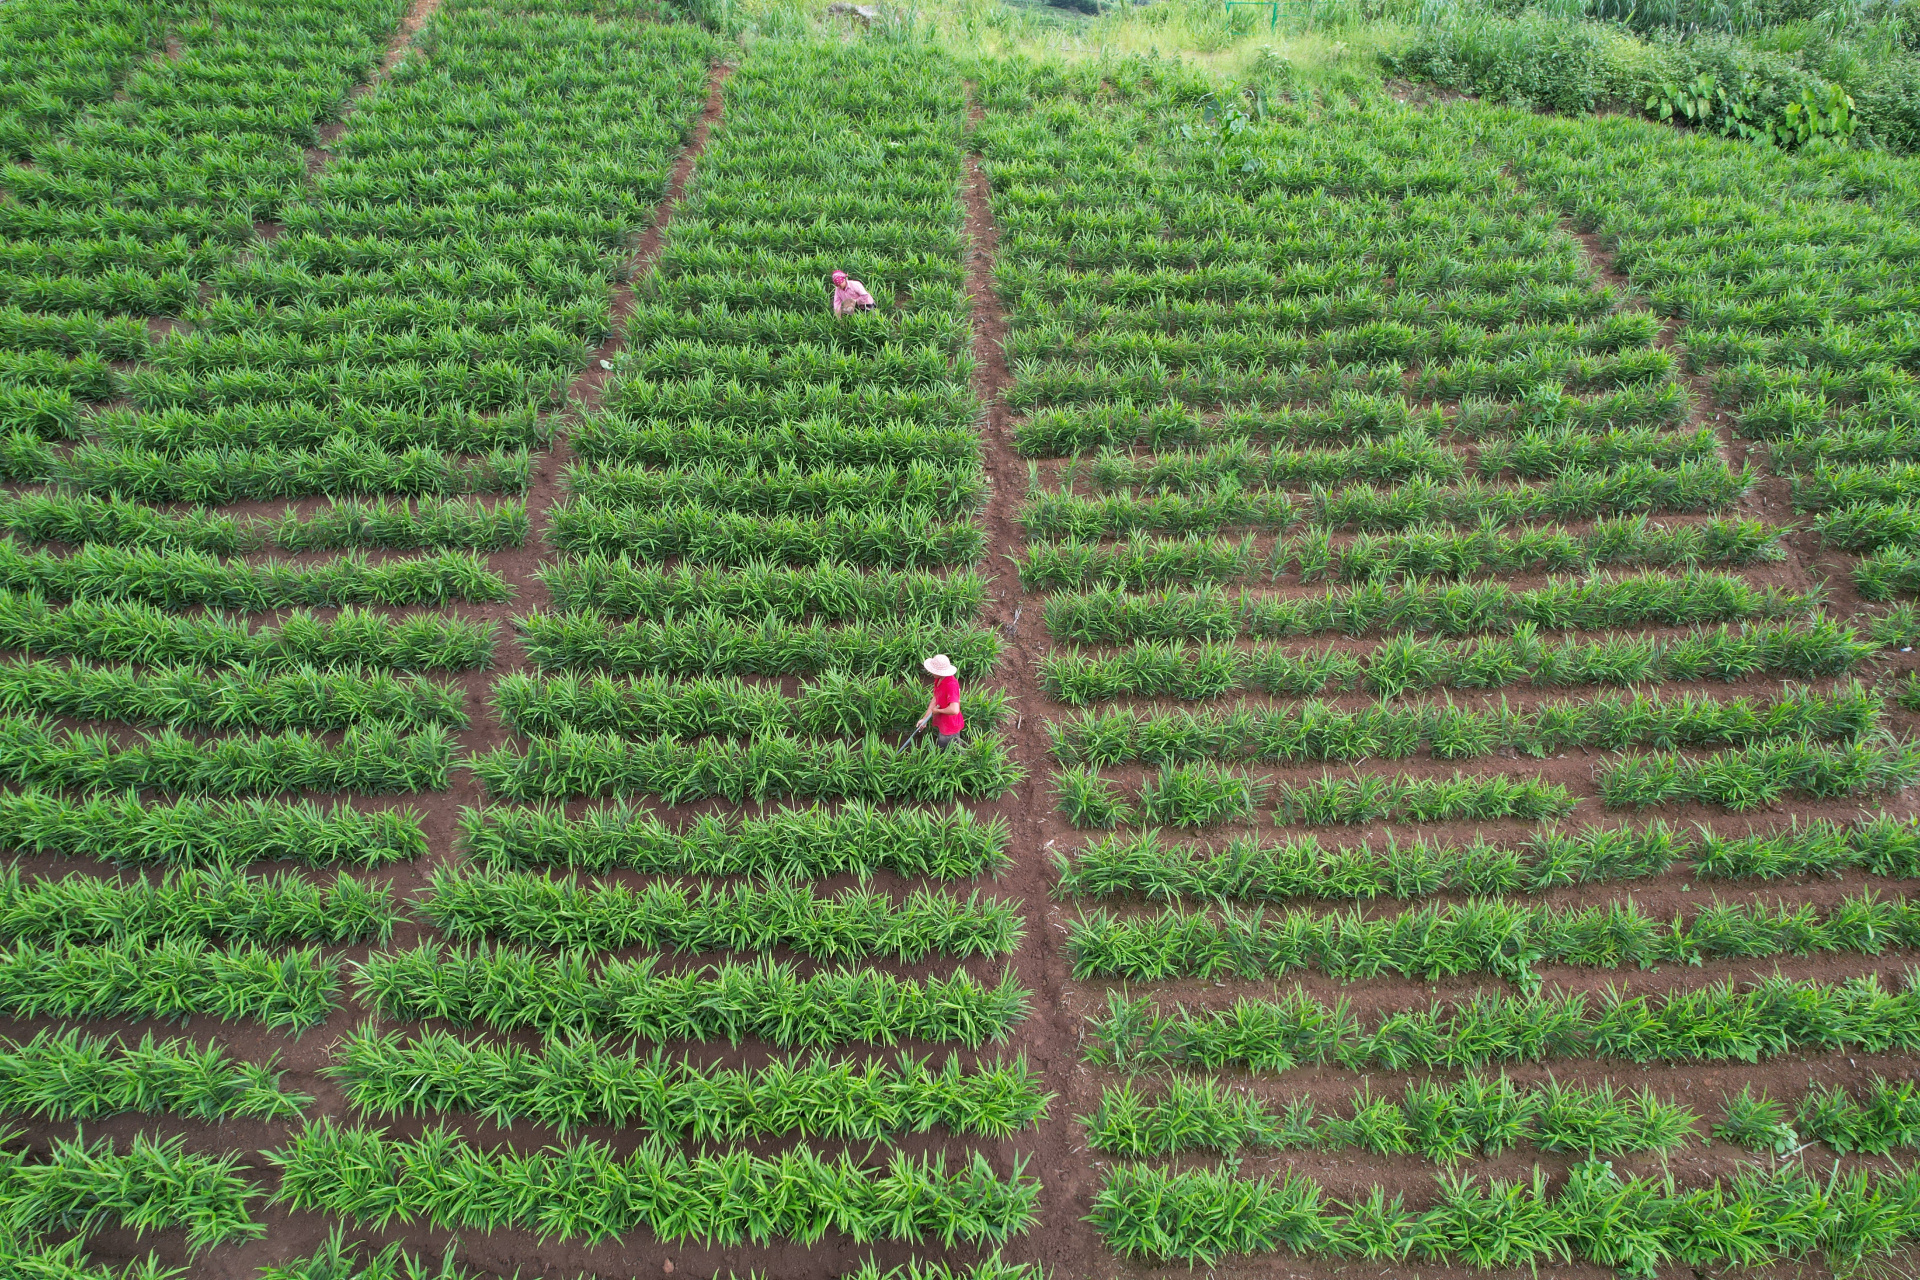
<point>1063,1241</point>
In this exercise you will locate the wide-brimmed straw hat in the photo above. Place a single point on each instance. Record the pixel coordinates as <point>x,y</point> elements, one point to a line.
<point>941,665</point>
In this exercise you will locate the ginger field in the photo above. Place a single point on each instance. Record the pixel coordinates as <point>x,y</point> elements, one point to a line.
<point>1432,585</point>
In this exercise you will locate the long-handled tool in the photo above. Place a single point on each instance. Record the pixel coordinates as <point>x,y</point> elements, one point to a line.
<point>910,737</point>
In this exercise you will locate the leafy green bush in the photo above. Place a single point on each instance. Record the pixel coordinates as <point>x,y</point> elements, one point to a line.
<point>1530,59</point>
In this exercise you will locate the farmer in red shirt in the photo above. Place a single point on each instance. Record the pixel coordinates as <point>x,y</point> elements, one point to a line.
<point>944,707</point>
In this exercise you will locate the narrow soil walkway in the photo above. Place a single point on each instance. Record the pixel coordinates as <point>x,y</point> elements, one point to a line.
<point>1063,1242</point>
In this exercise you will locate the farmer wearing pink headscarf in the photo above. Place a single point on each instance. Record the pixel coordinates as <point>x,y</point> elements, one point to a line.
<point>849,295</point>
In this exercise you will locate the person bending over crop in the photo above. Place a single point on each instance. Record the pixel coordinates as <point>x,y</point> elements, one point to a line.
<point>944,707</point>
<point>849,295</point>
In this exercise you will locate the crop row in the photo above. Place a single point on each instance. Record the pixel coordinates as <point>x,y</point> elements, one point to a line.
<point>1202,794</point>
<point>1716,1023</point>
<point>124,631</point>
<point>65,1075</point>
<point>710,643</point>
<point>833,705</point>
<point>371,758</point>
<point>814,843</point>
<point>621,588</point>
<point>201,833</point>
<point>183,579</point>
<point>1702,485</point>
<point>571,1083</point>
<point>221,904</point>
<point>115,521</point>
<point>1477,1115</point>
<point>1320,731</point>
<point>1403,664</point>
<point>1142,564</point>
<point>235,698</point>
<point>1339,416</point>
<point>338,468</point>
<point>533,910</point>
<point>587,1192</point>
<point>1633,1224</point>
<point>1246,870</point>
<point>1440,1120</point>
<point>1107,615</point>
<point>508,989</point>
<point>1488,936</point>
<point>772,767</point>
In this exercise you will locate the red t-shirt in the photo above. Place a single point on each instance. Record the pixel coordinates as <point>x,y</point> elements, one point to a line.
<point>946,693</point>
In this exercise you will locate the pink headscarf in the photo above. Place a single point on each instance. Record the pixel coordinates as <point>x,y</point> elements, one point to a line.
<point>839,277</point>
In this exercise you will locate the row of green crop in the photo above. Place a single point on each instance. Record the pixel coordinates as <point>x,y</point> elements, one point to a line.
<point>833,705</point>
<point>1344,413</point>
<point>1402,664</point>
<point>1144,564</point>
<point>246,697</point>
<point>339,468</point>
<point>587,1192</point>
<point>1628,488</point>
<point>771,767</point>
<point>815,843</point>
<point>1246,870</point>
<point>571,1083</point>
<point>1105,614</point>
<point>1322,731</point>
<point>507,989</point>
<point>564,1085</point>
<point>1632,1224</point>
<point>224,904</point>
<point>1716,1023</point>
<point>241,697</point>
<point>1477,1115</point>
<point>1483,936</point>
<point>116,521</point>
<point>1203,794</point>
